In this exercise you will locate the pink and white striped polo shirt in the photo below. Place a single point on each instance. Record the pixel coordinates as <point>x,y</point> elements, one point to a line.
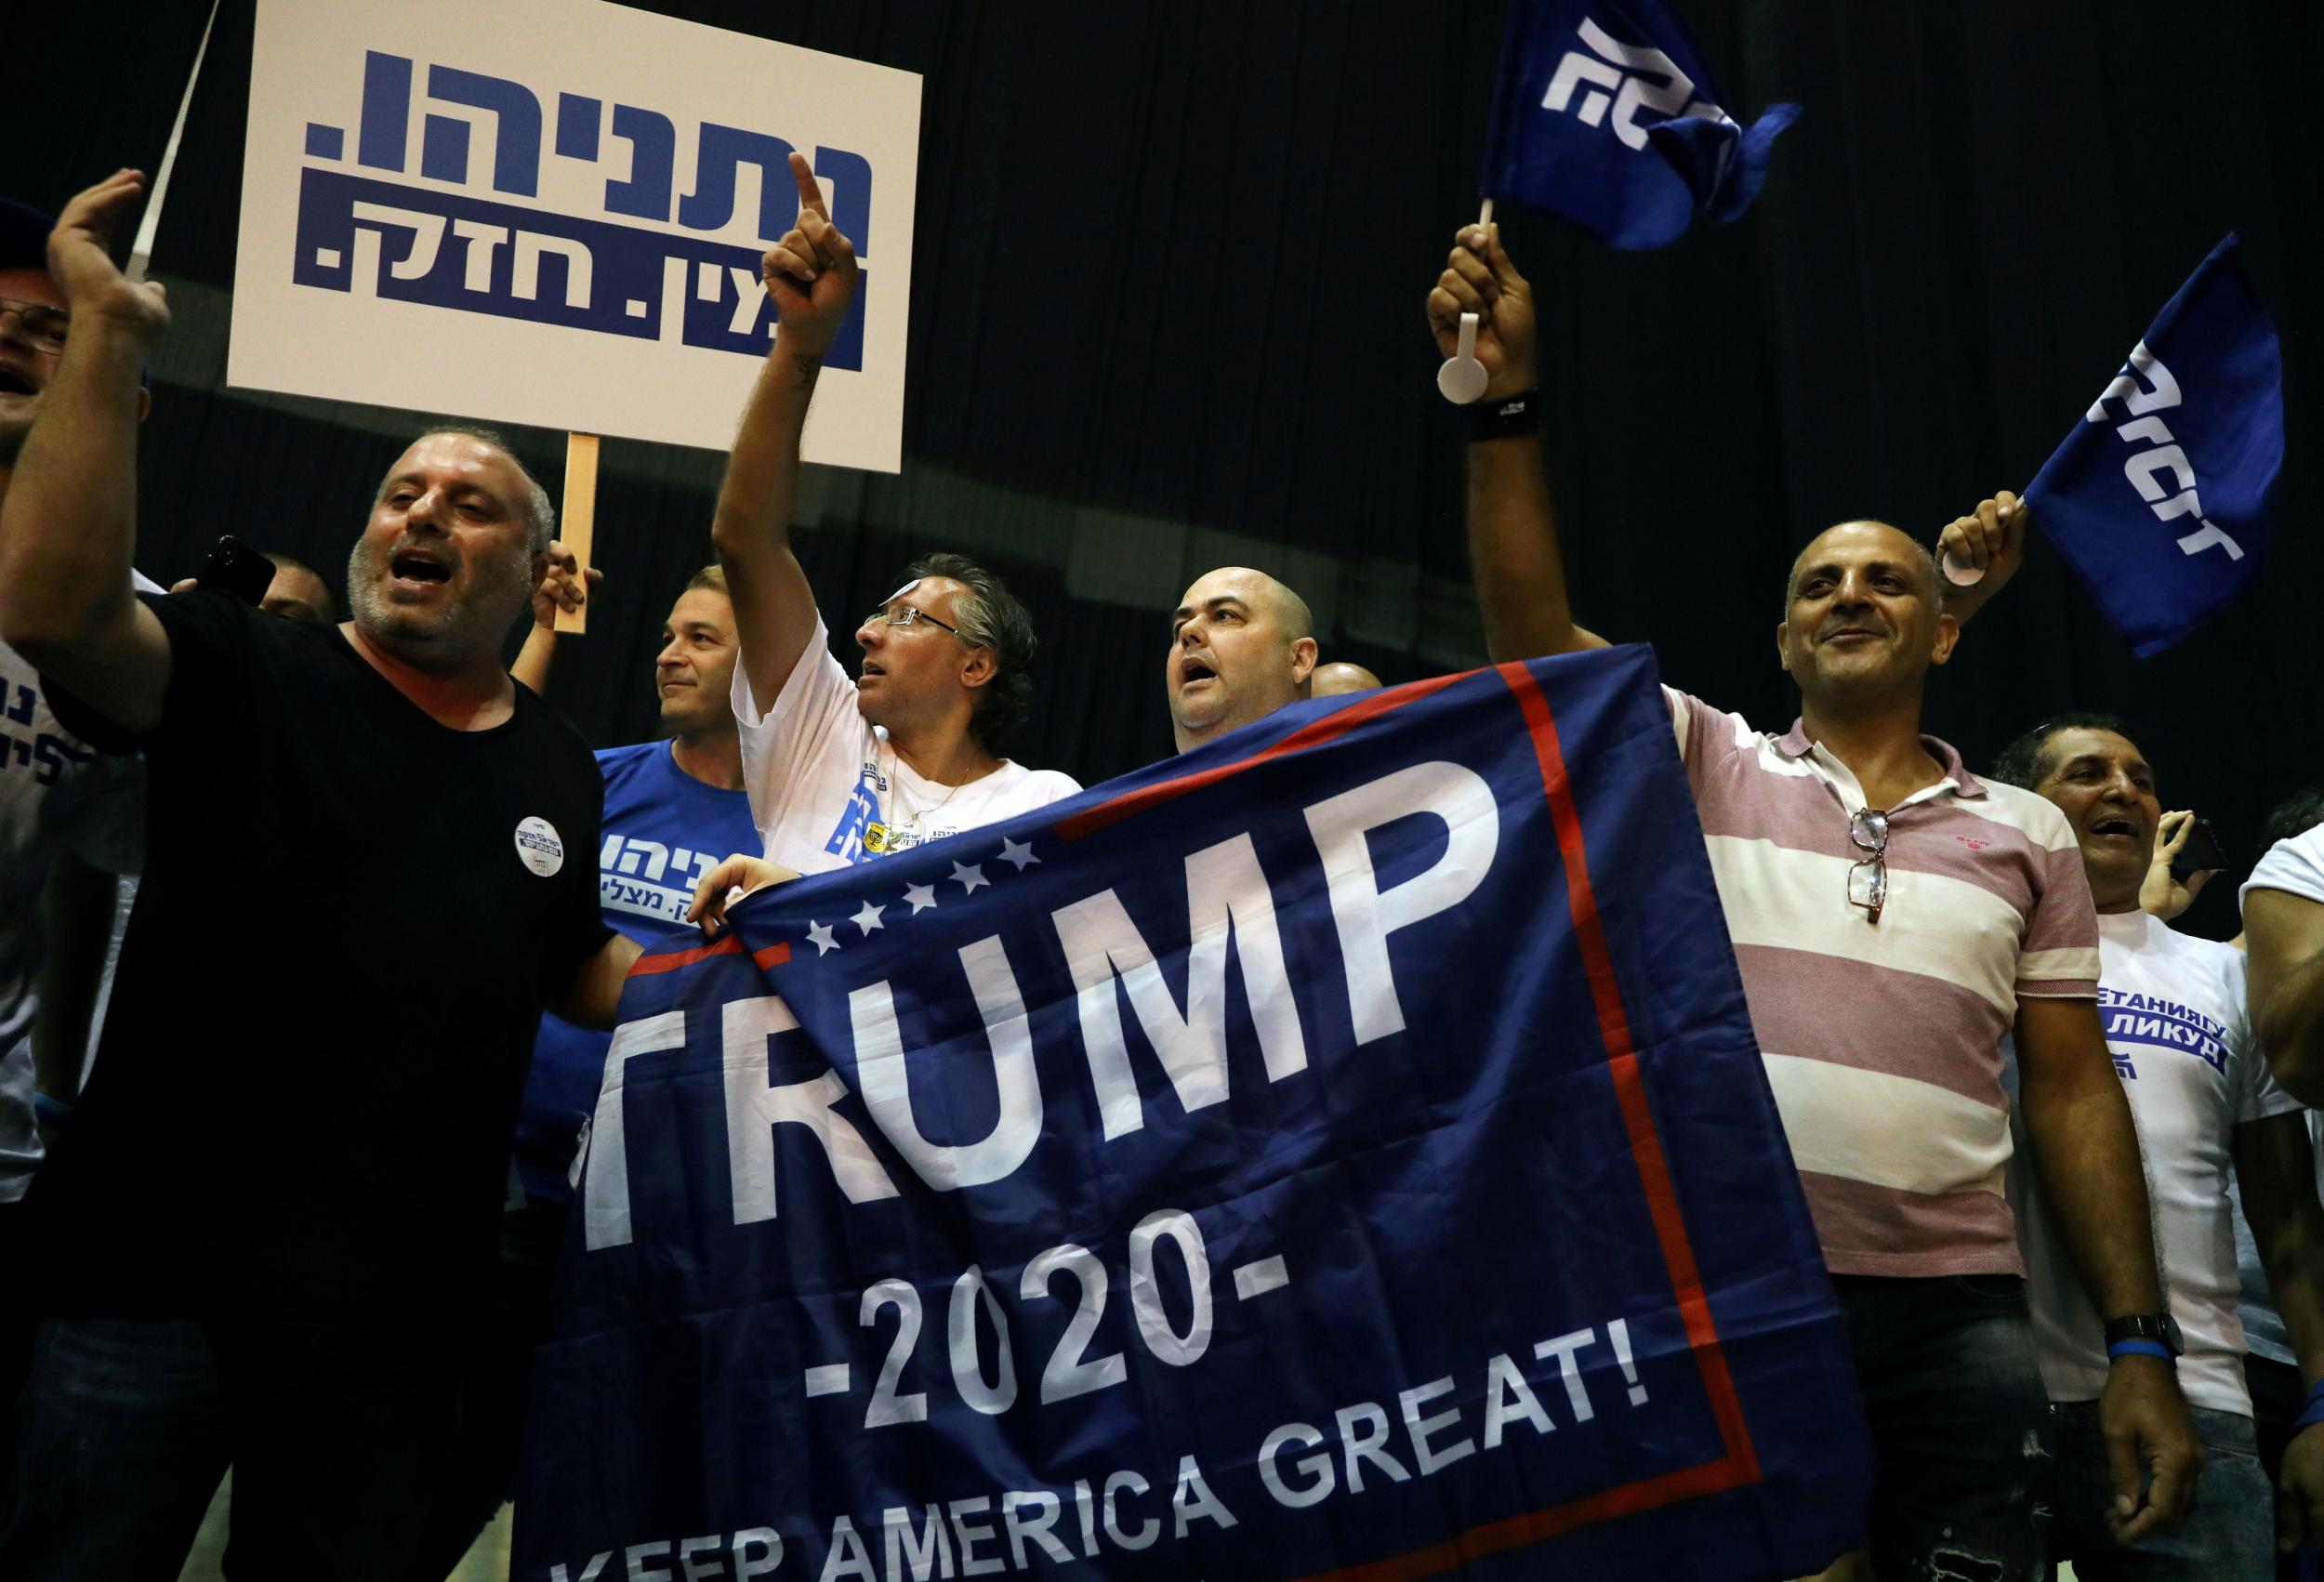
<point>1882,1040</point>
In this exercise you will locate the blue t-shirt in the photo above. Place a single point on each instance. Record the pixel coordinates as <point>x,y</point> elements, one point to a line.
<point>663,831</point>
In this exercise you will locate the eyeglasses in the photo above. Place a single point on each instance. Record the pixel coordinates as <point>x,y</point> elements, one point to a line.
<point>41,324</point>
<point>907,617</point>
<point>1868,880</point>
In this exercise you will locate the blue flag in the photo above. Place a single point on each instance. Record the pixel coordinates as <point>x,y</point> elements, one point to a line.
<point>2159,497</point>
<point>1605,115</point>
<point>1340,1152</point>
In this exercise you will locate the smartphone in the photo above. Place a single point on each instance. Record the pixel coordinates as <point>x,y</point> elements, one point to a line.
<point>238,569</point>
<point>2202,854</point>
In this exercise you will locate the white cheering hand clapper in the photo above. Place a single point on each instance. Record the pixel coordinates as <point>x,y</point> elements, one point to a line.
<point>1462,378</point>
<point>1959,574</point>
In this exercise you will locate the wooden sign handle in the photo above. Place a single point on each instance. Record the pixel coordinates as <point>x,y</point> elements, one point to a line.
<point>580,516</point>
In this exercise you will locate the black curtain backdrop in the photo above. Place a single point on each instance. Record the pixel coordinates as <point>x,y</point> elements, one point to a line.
<point>1167,313</point>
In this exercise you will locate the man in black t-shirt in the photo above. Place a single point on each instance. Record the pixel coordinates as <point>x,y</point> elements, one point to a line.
<point>371,864</point>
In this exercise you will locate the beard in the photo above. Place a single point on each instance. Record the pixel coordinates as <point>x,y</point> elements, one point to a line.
<point>475,619</point>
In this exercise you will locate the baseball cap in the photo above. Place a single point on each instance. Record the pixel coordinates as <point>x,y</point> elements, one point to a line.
<point>23,236</point>
<point>24,245</point>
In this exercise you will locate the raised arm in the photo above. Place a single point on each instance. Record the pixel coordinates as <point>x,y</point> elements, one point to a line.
<point>1513,536</point>
<point>2286,936</point>
<point>2085,1151</point>
<point>67,526</point>
<point>810,278</point>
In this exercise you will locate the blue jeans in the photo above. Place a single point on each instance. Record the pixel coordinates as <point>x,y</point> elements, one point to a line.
<point>1959,1425</point>
<point>2229,1535</point>
<point>125,1427</point>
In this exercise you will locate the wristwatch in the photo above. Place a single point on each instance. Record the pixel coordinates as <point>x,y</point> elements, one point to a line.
<point>2146,1334</point>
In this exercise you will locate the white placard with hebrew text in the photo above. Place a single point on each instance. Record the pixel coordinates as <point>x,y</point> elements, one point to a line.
<point>551,212</point>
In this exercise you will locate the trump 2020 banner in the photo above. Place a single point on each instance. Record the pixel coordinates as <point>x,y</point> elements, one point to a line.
<point>551,212</point>
<point>1340,1152</point>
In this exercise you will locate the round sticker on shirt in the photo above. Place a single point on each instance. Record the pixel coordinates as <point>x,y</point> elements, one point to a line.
<point>538,847</point>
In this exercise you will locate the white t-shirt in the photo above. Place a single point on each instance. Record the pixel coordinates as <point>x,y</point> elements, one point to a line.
<point>2174,1017</point>
<point>826,790</point>
<point>2295,864</point>
<point>56,791</point>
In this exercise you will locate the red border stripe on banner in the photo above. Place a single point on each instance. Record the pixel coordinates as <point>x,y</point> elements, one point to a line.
<point>1678,1253</point>
<point>728,943</point>
<point>1314,734</point>
<point>1740,1466</point>
<point>1516,1532</point>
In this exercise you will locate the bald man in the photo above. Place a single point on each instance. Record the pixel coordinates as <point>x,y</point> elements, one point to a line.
<point>1242,645</point>
<point>1894,919</point>
<point>1340,677</point>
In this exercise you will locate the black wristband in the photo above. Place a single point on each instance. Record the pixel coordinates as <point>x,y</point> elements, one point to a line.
<point>2158,1329</point>
<point>1505,418</point>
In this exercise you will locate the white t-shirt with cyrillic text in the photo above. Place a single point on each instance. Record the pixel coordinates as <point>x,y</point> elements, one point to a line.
<point>2172,1009</point>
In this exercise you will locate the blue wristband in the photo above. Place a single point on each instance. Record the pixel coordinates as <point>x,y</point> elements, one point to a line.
<point>2139,1349</point>
<point>2313,1412</point>
<point>50,1112</point>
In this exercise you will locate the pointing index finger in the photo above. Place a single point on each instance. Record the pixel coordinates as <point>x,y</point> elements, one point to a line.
<point>810,194</point>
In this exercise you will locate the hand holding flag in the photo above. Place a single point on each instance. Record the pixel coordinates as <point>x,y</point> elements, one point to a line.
<point>1479,279</point>
<point>1979,553</point>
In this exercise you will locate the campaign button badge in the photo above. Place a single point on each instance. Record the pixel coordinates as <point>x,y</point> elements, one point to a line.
<point>538,847</point>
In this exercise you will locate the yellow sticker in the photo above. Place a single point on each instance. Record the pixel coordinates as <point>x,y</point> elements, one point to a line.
<point>875,838</point>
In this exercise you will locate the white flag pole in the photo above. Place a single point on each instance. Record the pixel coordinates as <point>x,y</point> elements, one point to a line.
<point>141,250</point>
<point>1462,379</point>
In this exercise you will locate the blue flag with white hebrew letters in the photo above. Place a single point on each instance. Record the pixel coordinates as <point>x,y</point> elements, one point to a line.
<point>1603,114</point>
<point>2159,497</point>
<point>1340,1152</point>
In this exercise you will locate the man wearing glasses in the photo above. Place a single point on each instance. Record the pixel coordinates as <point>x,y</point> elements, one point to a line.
<point>842,769</point>
<point>1894,918</point>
